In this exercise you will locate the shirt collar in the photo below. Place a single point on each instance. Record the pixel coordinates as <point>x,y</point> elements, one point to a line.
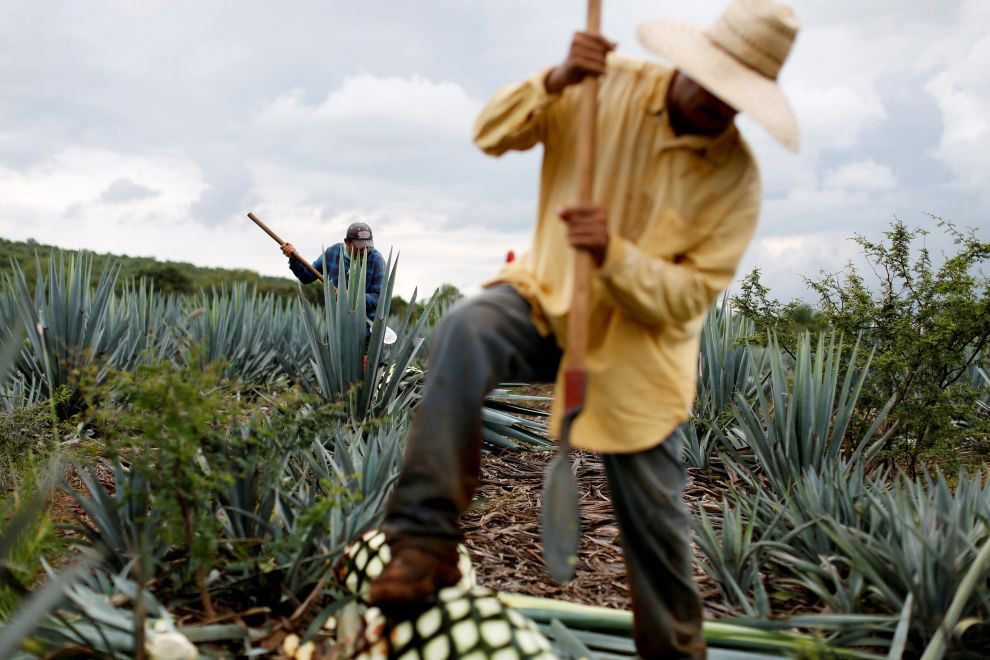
<point>716,149</point>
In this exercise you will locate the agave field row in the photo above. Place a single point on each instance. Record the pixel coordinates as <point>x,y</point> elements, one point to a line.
<point>223,451</point>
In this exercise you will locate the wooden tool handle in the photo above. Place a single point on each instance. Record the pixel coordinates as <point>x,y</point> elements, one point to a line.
<point>577,322</point>
<point>295,255</point>
<point>265,228</point>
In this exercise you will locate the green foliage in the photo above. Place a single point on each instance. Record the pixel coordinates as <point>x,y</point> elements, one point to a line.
<point>28,435</point>
<point>929,323</point>
<point>181,439</point>
<point>166,277</point>
<point>28,535</point>
<point>769,317</point>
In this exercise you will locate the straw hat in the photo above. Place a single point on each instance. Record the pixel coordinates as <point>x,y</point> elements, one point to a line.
<point>737,59</point>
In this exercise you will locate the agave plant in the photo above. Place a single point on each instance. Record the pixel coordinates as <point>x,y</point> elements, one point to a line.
<point>68,322</point>
<point>805,550</point>
<point>701,440</point>
<point>801,421</point>
<point>348,363</point>
<point>926,536</point>
<point>727,366</point>
<point>150,320</point>
<point>236,326</point>
<point>355,470</point>
<point>73,325</point>
<point>121,524</point>
<point>735,557</point>
<point>979,376</point>
<point>293,352</point>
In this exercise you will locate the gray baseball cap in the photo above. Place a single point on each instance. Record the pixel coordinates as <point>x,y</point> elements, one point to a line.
<point>359,234</point>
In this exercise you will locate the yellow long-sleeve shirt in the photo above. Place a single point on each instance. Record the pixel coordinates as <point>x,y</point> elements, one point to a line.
<point>681,211</point>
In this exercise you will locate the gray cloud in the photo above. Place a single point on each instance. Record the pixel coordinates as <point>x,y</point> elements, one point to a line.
<point>320,111</point>
<point>125,190</point>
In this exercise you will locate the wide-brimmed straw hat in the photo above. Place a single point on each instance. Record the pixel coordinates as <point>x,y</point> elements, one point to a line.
<point>737,59</point>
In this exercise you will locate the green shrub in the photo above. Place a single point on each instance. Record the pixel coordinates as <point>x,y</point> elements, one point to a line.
<point>929,323</point>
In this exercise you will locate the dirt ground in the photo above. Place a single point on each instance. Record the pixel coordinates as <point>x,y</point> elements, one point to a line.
<point>503,532</point>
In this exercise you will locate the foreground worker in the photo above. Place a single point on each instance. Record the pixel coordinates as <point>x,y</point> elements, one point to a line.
<point>357,242</point>
<point>678,196</point>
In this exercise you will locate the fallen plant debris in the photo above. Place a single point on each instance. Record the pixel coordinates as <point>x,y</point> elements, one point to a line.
<point>502,533</point>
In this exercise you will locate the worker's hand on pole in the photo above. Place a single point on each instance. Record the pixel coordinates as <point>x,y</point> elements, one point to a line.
<point>586,57</point>
<point>290,251</point>
<point>587,229</point>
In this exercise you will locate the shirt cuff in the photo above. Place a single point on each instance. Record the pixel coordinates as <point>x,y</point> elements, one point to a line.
<point>538,85</point>
<point>616,255</point>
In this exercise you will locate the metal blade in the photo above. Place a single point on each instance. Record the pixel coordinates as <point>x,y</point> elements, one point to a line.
<point>561,515</point>
<point>561,519</point>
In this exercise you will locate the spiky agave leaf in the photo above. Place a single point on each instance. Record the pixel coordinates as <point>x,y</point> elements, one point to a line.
<point>37,606</point>
<point>346,478</point>
<point>117,525</point>
<point>100,620</point>
<point>69,322</point>
<point>237,327</point>
<point>699,442</point>
<point>805,553</point>
<point>735,557</point>
<point>727,366</point>
<point>339,340</point>
<point>924,536</point>
<point>150,321</point>
<point>802,419</point>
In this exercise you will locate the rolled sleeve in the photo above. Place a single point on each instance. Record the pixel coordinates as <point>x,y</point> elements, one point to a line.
<point>515,117</point>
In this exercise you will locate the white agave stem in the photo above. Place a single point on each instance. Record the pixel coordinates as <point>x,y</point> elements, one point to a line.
<point>620,622</point>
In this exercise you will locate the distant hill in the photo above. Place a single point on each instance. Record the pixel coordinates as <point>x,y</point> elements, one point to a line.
<point>168,276</point>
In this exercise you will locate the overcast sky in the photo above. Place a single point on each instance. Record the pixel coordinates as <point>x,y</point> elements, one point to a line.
<point>152,127</point>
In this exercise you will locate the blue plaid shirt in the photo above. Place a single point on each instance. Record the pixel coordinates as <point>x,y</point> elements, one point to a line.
<point>373,278</point>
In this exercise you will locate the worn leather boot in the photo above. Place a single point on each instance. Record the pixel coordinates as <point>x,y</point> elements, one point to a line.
<point>417,571</point>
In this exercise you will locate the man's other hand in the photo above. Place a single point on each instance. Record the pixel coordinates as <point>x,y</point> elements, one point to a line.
<point>585,58</point>
<point>587,229</point>
<point>288,250</point>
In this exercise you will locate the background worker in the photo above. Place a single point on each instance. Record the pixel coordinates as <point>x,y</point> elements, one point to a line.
<point>357,242</point>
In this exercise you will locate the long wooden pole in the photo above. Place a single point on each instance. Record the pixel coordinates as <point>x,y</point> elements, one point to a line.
<point>275,237</point>
<point>577,318</point>
<point>561,515</point>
